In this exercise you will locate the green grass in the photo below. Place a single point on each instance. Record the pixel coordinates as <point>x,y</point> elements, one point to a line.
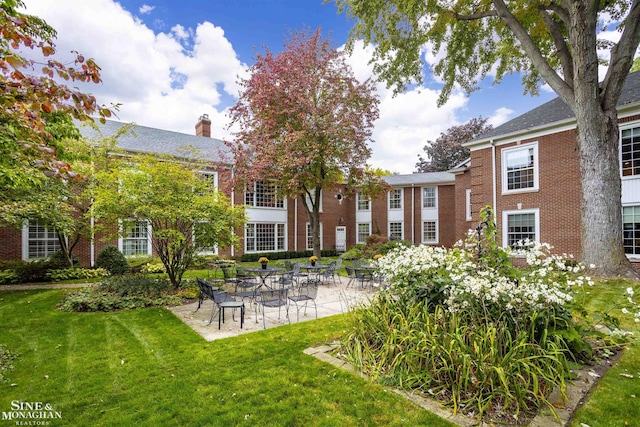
<point>615,401</point>
<point>146,367</point>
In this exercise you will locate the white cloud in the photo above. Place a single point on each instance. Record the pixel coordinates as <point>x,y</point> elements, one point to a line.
<point>500,116</point>
<point>163,80</point>
<point>146,9</point>
<point>407,121</point>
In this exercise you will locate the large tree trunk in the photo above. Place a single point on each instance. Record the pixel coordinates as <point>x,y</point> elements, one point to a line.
<point>598,138</point>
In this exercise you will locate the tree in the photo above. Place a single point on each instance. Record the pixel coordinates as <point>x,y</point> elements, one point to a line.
<point>304,124</point>
<point>447,150</point>
<point>26,152</point>
<point>552,41</point>
<point>180,203</point>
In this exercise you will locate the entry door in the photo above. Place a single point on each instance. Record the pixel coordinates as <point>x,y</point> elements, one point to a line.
<point>341,239</point>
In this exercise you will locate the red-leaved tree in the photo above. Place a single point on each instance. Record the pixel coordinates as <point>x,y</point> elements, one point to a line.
<point>304,124</point>
<point>31,89</point>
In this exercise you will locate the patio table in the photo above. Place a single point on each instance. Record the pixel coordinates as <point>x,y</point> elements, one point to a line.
<point>314,270</point>
<point>264,274</point>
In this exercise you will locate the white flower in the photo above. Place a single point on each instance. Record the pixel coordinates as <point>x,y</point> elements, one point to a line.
<point>630,291</point>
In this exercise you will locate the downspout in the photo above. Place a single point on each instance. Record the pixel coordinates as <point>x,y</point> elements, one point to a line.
<point>494,179</point>
<point>233,205</point>
<point>413,214</point>
<point>92,246</point>
<point>295,224</point>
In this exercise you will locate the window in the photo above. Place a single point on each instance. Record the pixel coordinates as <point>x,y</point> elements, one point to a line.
<point>264,237</point>
<point>429,197</point>
<point>364,203</point>
<point>395,199</point>
<point>630,147</point>
<point>429,232</point>
<point>468,204</point>
<point>263,196</point>
<point>520,225</point>
<point>364,231</point>
<point>395,231</point>
<point>310,237</point>
<point>520,168</point>
<point>39,241</point>
<point>135,240</point>
<point>198,230</point>
<point>631,230</point>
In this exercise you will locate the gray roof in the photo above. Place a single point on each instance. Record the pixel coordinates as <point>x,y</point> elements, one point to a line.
<point>420,179</point>
<point>556,111</point>
<point>142,139</point>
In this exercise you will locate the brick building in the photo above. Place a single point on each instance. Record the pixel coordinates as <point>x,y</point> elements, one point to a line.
<point>526,169</point>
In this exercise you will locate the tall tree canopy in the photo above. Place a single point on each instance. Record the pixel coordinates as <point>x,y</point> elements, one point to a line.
<point>305,123</point>
<point>31,89</point>
<point>552,41</point>
<point>447,151</point>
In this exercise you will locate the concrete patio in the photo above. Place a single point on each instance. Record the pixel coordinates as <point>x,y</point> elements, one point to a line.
<point>332,299</point>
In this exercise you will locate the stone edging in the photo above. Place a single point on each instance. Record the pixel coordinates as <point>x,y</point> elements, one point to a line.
<point>577,390</point>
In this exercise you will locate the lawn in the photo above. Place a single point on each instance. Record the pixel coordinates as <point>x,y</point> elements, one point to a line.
<point>146,367</point>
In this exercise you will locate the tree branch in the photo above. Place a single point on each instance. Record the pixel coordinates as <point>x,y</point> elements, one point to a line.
<point>476,16</point>
<point>561,87</point>
<point>622,57</point>
<point>561,46</point>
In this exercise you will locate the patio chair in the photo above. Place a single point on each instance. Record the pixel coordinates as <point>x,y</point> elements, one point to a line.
<point>272,299</point>
<point>283,280</point>
<point>307,293</point>
<point>206,291</point>
<point>351,273</point>
<point>329,273</point>
<point>223,300</point>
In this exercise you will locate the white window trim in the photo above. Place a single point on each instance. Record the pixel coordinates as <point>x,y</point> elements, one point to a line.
<point>430,242</point>
<point>358,241</point>
<point>627,126</point>
<point>195,244</point>
<point>275,224</point>
<point>401,190</point>
<point>632,257</point>
<point>359,196</point>
<point>401,229</point>
<point>469,215</point>
<point>536,170</point>
<point>435,187</point>
<point>505,223</point>
<point>25,242</point>
<point>121,238</point>
<point>308,224</point>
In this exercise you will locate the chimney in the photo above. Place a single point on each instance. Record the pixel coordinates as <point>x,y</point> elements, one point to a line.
<point>203,127</point>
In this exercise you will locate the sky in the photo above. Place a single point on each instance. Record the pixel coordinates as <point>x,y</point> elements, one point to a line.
<point>168,62</point>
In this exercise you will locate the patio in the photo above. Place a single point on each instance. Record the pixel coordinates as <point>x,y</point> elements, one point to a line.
<point>332,299</point>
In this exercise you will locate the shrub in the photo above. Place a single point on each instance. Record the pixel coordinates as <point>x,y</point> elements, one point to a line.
<point>353,253</point>
<point>59,260</point>
<point>29,271</point>
<point>120,293</point>
<point>76,273</point>
<point>112,260</point>
<point>9,277</point>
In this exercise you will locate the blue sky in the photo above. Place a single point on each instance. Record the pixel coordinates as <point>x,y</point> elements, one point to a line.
<point>168,62</point>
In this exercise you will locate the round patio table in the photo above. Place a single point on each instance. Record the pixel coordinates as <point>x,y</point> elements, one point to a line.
<point>264,273</point>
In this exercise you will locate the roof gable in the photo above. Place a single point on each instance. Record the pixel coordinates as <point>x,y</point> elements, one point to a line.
<point>555,111</point>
